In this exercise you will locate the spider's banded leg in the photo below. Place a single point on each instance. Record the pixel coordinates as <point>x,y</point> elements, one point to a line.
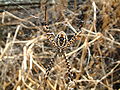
<point>68,68</point>
<point>49,37</point>
<point>74,38</point>
<point>51,64</point>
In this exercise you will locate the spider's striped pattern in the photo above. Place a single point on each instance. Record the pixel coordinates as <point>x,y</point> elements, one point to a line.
<point>61,43</point>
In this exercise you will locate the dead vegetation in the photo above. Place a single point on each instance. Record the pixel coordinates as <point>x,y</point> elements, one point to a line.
<point>25,51</point>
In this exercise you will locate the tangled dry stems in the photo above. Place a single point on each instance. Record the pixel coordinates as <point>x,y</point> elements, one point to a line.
<point>94,58</point>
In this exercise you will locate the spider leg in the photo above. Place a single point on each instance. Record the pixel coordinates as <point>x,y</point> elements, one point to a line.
<point>49,37</point>
<point>69,68</point>
<point>51,64</point>
<point>74,38</point>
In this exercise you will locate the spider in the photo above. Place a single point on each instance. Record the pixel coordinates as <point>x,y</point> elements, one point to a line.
<point>60,42</point>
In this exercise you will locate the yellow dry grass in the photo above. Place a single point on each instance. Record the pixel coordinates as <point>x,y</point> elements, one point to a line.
<point>25,51</point>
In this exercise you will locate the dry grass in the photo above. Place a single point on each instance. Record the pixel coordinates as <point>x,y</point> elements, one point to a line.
<point>25,51</point>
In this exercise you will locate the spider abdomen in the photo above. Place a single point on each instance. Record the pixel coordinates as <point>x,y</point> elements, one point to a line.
<point>61,39</point>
